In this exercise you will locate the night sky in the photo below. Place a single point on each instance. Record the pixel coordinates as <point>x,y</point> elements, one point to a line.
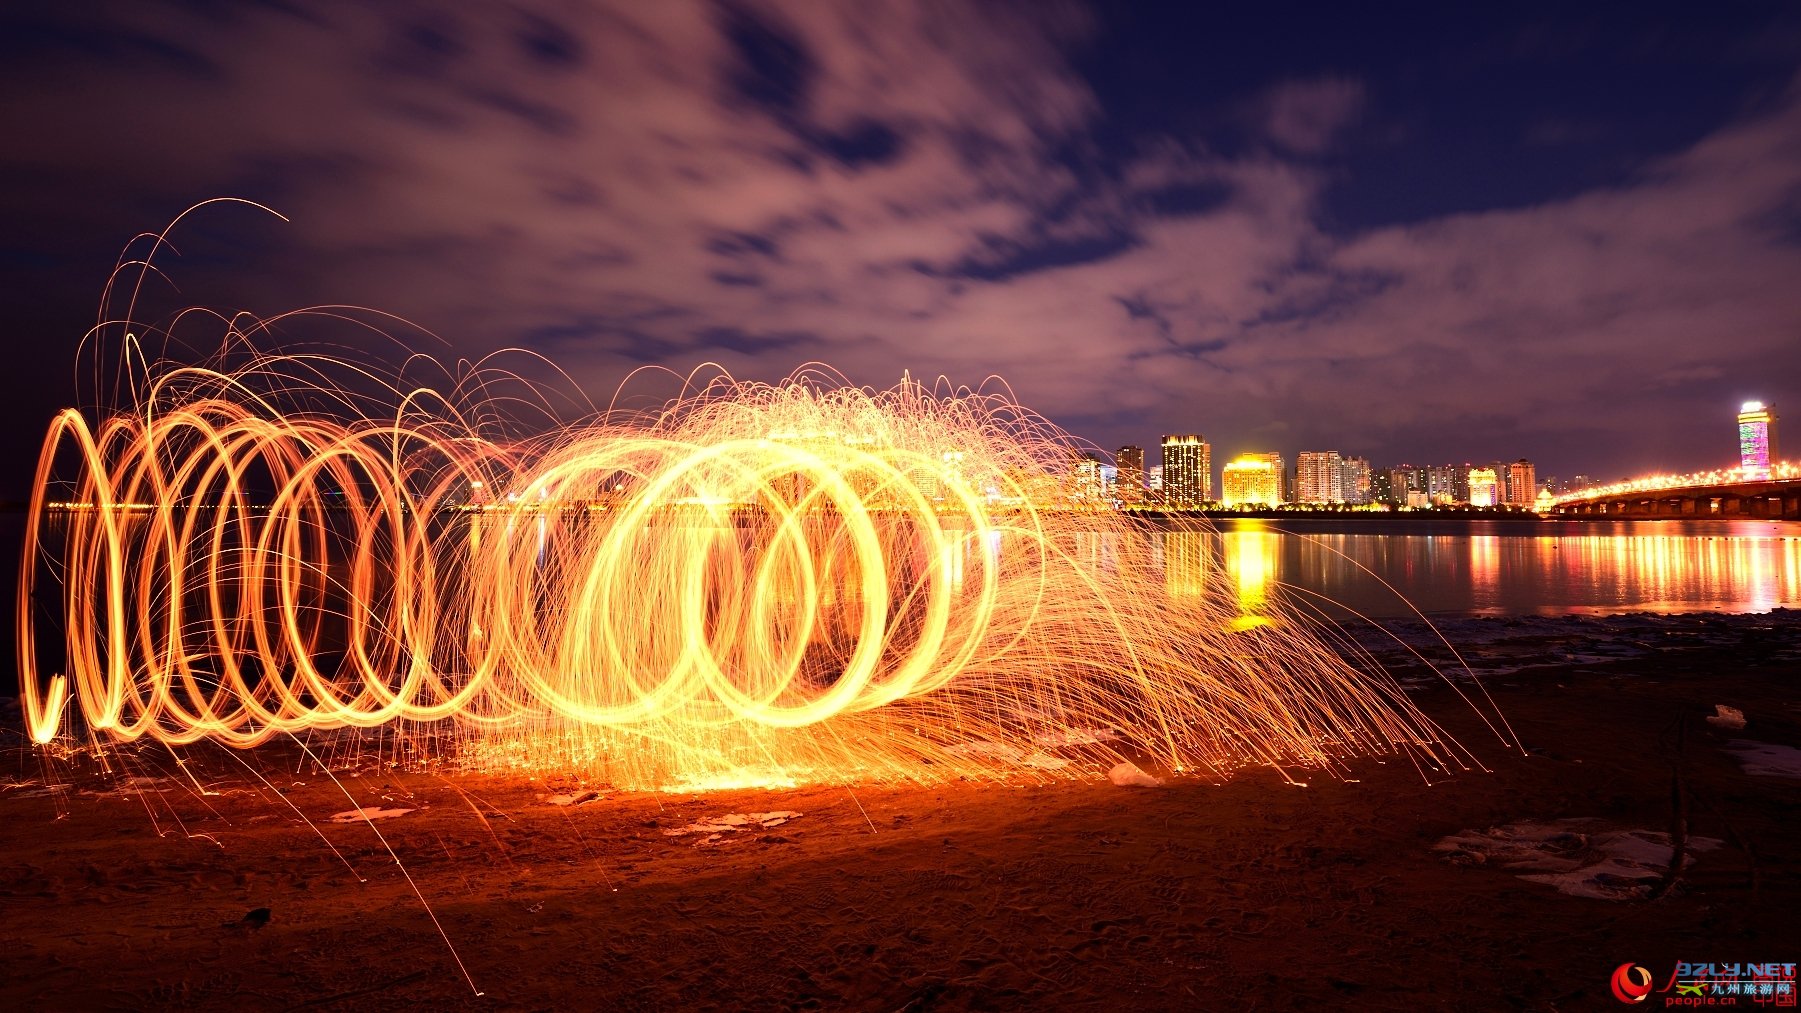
<point>1432,235</point>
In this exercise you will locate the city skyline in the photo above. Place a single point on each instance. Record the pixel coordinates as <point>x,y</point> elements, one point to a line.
<point>1323,476</point>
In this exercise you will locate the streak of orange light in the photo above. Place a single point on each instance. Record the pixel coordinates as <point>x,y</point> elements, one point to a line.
<point>754,584</point>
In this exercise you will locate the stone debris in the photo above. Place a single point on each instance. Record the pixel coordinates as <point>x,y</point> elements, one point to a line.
<point>369,813</point>
<point>573,798</point>
<point>1127,775</point>
<point>716,827</point>
<point>1580,857</point>
<point>1730,718</point>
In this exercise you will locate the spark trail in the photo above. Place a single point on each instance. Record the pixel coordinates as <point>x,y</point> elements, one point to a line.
<point>808,580</point>
<point>751,584</point>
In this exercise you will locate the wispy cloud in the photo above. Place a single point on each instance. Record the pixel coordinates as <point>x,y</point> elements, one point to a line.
<point>1305,117</point>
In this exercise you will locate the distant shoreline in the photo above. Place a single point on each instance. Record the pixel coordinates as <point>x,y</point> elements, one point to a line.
<point>1509,518</point>
<point>1350,515</point>
<point>1354,517</point>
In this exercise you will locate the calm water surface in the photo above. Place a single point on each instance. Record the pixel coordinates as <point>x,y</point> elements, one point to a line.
<point>1384,568</point>
<point>1507,567</point>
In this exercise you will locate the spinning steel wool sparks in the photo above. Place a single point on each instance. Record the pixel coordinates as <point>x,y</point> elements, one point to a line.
<point>754,584</point>
<point>799,581</point>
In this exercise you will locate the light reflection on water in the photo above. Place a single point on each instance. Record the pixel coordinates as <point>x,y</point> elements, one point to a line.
<point>1384,568</point>
<point>1252,557</point>
<point>1473,568</point>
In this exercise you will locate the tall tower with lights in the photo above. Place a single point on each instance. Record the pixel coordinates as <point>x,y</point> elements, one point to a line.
<point>1319,477</point>
<point>1522,483</point>
<point>1187,471</point>
<point>1129,481</point>
<point>1756,439</point>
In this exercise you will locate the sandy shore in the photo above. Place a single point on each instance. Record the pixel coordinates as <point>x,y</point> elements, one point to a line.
<point>1251,895</point>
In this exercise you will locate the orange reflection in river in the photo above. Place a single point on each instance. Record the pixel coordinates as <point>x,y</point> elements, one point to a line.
<point>1549,568</point>
<point>1254,559</point>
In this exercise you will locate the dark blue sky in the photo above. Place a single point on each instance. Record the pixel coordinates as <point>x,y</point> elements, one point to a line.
<point>1428,234</point>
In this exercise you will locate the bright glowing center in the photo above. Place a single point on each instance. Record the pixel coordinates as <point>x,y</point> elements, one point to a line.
<point>757,584</point>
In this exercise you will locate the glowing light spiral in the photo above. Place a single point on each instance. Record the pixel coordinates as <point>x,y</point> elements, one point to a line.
<point>803,580</point>
<point>752,583</point>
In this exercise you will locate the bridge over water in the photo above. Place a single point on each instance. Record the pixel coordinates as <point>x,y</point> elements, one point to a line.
<point>1770,499</point>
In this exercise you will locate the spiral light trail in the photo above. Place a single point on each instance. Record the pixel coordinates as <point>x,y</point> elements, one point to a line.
<point>753,584</point>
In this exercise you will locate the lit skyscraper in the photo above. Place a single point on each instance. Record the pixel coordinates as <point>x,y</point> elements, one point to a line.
<point>1756,439</point>
<point>1252,479</point>
<point>1403,481</point>
<point>1381,487</point>
<point>1088,488</point>
<point>1319,477</point>
<point>1442,483</point>
<point>1500,470</point>
<point>1522,485</point>
<point>1129,479</point>
<point>1187,471</point>
<point>1357,480</point>
<point>1483,487</point>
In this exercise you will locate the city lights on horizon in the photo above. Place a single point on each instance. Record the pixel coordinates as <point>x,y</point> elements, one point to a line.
<point>1781,471</point>
<point>1758,462</point>
<point>1255,479</point>
<point>1318,478</point>
<point>1328,478</point>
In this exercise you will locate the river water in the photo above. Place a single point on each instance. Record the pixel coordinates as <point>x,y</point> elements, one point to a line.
<point>1385,568</point>
<point>1388,567</point>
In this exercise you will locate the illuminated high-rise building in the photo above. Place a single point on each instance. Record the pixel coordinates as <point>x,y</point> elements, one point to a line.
<point>1129,475</point>
<point>1088,487</point>
<point>1187,471</point>
<point>1153,479</point>
<point>1252,479</point>
<point>1484,487</point>
<point>1403,481</point>
<point>1356,481</point>
<point>1500,470</point>
<point>1319,477</point>
<point>1522,485</point>
<point>1443,482</point>
<point>1756,439</point>
<point>1381,486</point>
